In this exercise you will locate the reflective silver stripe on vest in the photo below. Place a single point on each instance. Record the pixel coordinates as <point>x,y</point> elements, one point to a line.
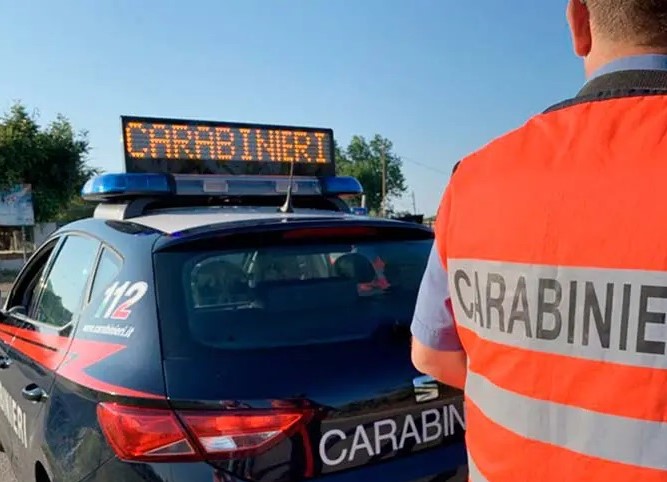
<point>609,437</point>
<point>609,315</point>
<point>474,474</point>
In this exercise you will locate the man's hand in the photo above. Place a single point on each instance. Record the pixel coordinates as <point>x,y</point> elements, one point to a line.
<point>448,367</point>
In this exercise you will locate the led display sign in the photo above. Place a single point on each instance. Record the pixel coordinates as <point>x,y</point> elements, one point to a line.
<point>202,147</point>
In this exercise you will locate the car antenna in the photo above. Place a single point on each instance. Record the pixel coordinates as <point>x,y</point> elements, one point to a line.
<point>287,207</point>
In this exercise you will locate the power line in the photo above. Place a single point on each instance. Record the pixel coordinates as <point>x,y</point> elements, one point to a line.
<point>426,166</point>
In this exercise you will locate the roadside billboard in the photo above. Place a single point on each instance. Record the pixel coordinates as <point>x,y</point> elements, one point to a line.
<point>16,206</point>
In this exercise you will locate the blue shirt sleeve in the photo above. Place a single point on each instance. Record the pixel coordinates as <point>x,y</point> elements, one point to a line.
<point>433,324</point>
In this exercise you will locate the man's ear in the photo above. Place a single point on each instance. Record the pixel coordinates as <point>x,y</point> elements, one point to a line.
<point>578,17</point>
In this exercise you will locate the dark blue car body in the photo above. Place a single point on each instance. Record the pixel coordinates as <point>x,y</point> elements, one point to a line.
<point>54,376</point>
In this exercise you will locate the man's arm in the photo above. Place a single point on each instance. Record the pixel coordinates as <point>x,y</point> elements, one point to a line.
<point>436,348</point>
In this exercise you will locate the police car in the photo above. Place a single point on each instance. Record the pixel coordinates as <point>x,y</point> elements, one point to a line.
<point>213,322</point>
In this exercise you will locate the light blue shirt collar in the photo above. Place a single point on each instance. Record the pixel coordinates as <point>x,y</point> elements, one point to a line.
<point>636,62</point>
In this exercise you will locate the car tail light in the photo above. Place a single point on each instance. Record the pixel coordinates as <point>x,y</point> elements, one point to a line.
<point>136,433</point>
<point>324,233</point>
<point>142,434</point>
<point>240,434</point>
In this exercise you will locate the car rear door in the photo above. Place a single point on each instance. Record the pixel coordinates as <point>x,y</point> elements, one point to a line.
<point>6,418</point>
<point>42,335</point>
<point>22,296</point>
<point>310,359</point>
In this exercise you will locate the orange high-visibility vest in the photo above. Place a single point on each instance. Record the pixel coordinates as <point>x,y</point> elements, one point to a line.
<point>555,241</point>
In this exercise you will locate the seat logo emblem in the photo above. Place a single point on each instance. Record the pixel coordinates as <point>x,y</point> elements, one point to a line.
<point>426,389</point>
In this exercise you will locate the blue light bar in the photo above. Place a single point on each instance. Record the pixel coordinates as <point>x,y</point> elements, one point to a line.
<point>108,186</point>
<point>239,185</point>
<point>340,185</point>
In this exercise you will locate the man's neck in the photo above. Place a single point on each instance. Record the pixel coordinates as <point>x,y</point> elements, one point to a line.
<point>602,56</point>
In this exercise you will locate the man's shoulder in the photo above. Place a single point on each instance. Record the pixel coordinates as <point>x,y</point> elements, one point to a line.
<point>505,146</point>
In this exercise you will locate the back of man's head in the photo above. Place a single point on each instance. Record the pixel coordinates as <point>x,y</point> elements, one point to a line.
<point>638,22</point>
<point>603,30</point>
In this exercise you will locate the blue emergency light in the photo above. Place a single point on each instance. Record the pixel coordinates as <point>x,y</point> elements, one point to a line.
<point>341,186</point>
<point>107,187</point>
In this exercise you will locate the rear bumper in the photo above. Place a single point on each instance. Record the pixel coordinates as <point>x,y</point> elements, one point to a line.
<point>446,464</point>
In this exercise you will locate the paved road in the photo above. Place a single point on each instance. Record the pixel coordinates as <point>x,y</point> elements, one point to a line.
<point>4,289</point>
<point>6,474</point>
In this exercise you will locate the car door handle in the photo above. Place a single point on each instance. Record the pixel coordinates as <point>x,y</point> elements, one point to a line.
<point>34,393</point>
<point>5,362</point>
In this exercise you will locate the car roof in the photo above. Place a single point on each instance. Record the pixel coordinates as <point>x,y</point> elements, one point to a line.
<point>174,220</point>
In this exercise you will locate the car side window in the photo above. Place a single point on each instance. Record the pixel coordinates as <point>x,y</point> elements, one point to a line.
<point>32,293</point>
<point>26,287</point>
<point>108,268</point>
<point>64,287</point>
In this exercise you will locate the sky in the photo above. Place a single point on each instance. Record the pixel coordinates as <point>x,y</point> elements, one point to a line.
<point>439,78</point>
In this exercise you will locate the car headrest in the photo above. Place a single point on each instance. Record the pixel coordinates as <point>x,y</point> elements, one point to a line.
<point>354,266</point>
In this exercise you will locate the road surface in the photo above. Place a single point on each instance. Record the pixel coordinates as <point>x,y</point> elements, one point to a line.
<point>6,474</point>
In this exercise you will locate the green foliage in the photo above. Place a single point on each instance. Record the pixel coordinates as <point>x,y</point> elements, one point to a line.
<point>363,160</point>
<point>51,159</point>
<point>77,209</point>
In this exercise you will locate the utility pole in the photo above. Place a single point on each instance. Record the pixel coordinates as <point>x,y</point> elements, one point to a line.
<point>383,158</point>
<point>414,204</point>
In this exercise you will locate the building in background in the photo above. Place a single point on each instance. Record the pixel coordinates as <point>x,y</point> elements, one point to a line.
<point>18,232</point>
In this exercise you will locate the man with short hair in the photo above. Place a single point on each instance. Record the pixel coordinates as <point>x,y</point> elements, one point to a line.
<point>552,241</point>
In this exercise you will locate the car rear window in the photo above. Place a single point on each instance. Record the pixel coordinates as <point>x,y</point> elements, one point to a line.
<point>286,295</point>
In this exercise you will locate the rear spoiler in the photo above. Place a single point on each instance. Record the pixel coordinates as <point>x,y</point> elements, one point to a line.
<point>276,230</point>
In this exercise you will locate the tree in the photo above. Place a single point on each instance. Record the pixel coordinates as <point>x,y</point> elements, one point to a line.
<point>51,159</point>
<point>363,160</point>
<point>77,209</point>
